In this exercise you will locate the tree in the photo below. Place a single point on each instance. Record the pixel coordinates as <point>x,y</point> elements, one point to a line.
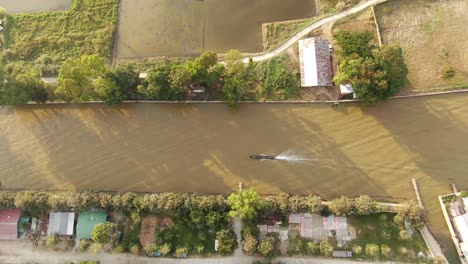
<point>364,205</point>
<point>342,206</point>
<point>372,250</point>
<point>226,241</point>
<point>236,79</point>
<point>52,241</point>
<point>76,77</point>
<point>7,199</point>
<point>266,247</point>
<point>353,43</point>
<point>314,203</point>
<point>411,212</point>
<point>103,233</point>
<point>392,61</point>
<point>249,244</point>
<point>180,81</point>
<point>157,82</point>
<point>374,73</point>
<point>326,248</point>
<point>244,204</point>
<point>106,88</point>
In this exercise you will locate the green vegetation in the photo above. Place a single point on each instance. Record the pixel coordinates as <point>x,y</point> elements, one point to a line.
<point>49,38</point>
<point>267,247</point>
<point>379,237</point>
<point>411,212</point>
<point>279,32</point>
<point>52,241</point>
<point>244,204</point>
<point>336,5</point>
<point>374,73</point>
<point>449,73</point>
<point>102,233</point>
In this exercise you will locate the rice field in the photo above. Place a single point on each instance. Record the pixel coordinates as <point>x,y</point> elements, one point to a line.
<point>150,28</point>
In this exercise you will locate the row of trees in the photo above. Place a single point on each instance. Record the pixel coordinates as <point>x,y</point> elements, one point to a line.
<point>247,205</point>
<point>89,78</point>
<point>38,202</point>
<point>375,73</point>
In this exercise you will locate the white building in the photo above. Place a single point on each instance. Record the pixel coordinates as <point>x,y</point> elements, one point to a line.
<point>314,56</point>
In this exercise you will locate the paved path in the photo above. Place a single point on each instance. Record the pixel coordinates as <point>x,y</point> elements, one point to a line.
<point>308,29</point>
<point>237,225</point>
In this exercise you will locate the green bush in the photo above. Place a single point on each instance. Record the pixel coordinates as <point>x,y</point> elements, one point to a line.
<point>266,247</point>
<point>84,245</point>
<point>52,241</point>
<point>404,235</point>
<point>119,249</point>
<point>313,248</point>
<point>372,250</point>
<point>95,248</point>
<point>386,250</point>
<point>449,73</point>
<point>103,233</point>
<point>135,250</point>
<point>150,249</point>
<point>249,244</point>
<point>295,246</point>
<point>357,250</point>
<point>326,248</point>
<point>165,249</point>
<point>180,251</point>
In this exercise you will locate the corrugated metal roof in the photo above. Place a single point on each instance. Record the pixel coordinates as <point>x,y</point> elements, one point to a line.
<point>61,223</point>
<point>86,223</point>
<point>9,223</point>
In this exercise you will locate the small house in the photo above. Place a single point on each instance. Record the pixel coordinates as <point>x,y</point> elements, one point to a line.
<point>86,223</point>
<point>315,63</point>
<point>9,219</point>
<point>143,75</point>
<point>347,90</point>
<point>51,80</point>
<point>61,223</point>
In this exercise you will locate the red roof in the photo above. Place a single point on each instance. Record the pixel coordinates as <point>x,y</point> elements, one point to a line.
<point>9,223</point>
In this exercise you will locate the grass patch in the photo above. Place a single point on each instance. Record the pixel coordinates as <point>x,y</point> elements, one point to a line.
<point>193,233</point>
<point>279,32</point>
<point>381,230</point>
<point>87,28</point>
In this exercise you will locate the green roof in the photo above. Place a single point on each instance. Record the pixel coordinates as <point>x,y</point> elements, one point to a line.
<point>86,223</point>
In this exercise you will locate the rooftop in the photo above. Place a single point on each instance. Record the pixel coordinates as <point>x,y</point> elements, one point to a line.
<point>86,223</point>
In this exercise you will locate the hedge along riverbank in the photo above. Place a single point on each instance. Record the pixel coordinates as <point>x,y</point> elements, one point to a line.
<point>37,203</point>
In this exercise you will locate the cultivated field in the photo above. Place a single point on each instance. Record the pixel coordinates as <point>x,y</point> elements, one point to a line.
<point>24,6</point>
<point>149,28</point>
<point>434,37</point>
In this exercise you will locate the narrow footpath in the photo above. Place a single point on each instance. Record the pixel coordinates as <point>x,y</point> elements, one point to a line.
<point>305,31</point>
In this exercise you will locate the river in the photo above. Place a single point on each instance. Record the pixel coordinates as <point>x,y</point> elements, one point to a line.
<point>350,150</point>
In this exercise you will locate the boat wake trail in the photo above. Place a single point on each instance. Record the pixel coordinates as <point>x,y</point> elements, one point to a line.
<point>290,156</point>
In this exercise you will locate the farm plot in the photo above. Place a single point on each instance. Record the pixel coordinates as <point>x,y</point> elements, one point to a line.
<point>150,28</point>
<point>434,38</point>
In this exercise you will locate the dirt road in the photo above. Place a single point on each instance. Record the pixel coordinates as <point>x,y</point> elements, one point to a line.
<point>308,29</point>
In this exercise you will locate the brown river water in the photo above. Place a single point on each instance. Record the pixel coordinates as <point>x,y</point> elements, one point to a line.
<point>348,150</point>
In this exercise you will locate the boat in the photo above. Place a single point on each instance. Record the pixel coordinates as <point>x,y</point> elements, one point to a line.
<point>262,157</point>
